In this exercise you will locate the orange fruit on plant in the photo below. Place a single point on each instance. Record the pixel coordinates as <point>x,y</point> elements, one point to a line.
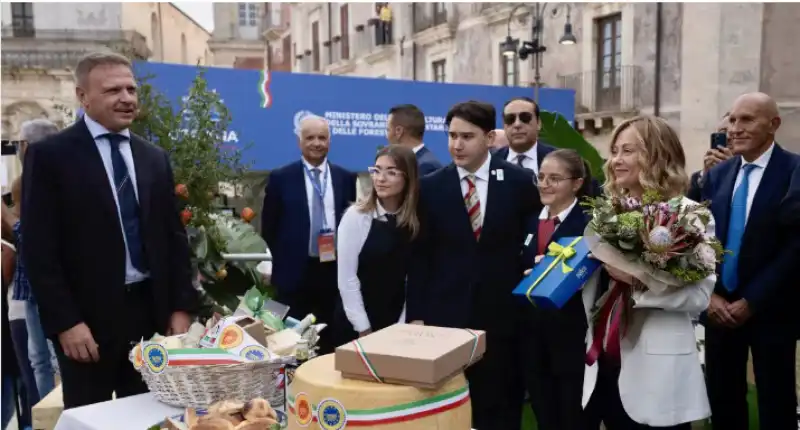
<point>222,273</point>
<point>186,216</point>
<point>248,214</point>
<point>182,191</point>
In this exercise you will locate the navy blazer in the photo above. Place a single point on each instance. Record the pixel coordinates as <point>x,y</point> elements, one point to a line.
<point>427,162</point>
<point>285,222</point>
<point>454,280</point>
<point>767,263</point>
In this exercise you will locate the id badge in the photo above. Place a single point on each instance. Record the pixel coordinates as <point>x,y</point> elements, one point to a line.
<point>327,246</point>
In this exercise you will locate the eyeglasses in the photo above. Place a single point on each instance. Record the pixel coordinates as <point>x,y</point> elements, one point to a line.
<point>550,180</point>
<point>390,173</point>
<point>524,117</point>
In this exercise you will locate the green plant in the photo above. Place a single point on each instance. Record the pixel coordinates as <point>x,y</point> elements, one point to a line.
<point>558,132</point>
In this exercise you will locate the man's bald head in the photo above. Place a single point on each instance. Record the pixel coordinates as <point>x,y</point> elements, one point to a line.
<point>314,139</point>
<point>754,120</point>
<point>500,139</point>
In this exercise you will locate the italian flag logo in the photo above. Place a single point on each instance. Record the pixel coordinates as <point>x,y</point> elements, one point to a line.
<point>399,413</point>
<point>263,89</point>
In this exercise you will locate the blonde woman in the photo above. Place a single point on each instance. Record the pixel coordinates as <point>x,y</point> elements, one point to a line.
<point>373,247</point>
<point>653,379</point>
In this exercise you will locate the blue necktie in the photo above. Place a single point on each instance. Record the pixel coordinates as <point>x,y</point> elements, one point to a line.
<point>317,213</point>
<point>128,205</point>
<point>736,225</point>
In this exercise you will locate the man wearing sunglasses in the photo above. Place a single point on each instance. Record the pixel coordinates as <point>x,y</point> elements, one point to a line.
<point>521,124</point>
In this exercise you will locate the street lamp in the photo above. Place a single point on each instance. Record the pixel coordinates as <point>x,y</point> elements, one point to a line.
<point>534,46</point>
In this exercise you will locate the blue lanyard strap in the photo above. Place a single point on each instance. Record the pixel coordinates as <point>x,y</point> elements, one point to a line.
<point>320,192</point>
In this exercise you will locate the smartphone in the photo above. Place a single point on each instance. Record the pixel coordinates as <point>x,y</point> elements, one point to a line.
<point>719,140</point>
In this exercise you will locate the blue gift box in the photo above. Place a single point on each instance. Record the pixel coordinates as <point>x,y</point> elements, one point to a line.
<point>560,274</point>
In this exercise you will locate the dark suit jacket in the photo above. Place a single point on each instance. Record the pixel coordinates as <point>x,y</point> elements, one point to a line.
<point>74,249</point>
<point>427,162</point>
<point>559,334</point>
<point>767,263</point>
<point>695,191</point>
<point>454,280</point>
<point>285,222</point>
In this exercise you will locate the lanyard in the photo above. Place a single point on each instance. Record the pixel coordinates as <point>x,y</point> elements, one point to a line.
<point>320,192</point>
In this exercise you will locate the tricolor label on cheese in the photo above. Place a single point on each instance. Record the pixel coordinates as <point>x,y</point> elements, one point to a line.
<point>386,415</point>
<point>254,353</point>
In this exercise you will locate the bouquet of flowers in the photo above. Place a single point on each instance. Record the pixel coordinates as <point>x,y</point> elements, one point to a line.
<point>665,240</point>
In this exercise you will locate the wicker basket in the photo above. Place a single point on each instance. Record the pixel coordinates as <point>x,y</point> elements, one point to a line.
<point>201,386</point>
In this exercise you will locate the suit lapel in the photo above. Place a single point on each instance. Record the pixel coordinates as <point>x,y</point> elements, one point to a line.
<point>769,189</point>
<point>494,197</point>
<point>337,186</point>
<point>573,224</point>
<point>722,201</point>
<point>302,209</point>
<point>454,198</point>
<point>93,167</point>
<point>141,163</point>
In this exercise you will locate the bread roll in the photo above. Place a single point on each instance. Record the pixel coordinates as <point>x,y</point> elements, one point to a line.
<point>256,408</point>
<point>213,423</point>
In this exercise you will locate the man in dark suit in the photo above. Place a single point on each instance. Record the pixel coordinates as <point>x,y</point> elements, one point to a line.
<point>521,123</point>
<point>754,301</point>
<point>303,205</point>
<point>467,258</point>
<point>104,246</point>
<point>406,126</point>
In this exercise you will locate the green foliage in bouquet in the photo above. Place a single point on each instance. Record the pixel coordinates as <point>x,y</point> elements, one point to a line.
<point>558,132</point>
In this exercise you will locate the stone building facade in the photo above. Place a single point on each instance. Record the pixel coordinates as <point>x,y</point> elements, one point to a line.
<point>42,42</point>
<point>709,54</point>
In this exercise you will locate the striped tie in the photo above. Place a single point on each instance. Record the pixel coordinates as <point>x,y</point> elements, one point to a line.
<point>473,203</point>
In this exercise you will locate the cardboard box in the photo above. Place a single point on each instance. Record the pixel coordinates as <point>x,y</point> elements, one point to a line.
<point>559,276</point>
<point>410,354</point>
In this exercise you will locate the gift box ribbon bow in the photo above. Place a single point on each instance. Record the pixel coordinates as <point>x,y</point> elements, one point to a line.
<point>561,254</point>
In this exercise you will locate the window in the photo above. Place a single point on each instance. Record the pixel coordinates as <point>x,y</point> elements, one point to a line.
<point>344,23</point>
<point>315,45</point>
<point>438,71</point>
<point>509,68</point>
<point>22,19</point>
<point>439,13</point>
<point>247,14</point>
<point>609,59</point>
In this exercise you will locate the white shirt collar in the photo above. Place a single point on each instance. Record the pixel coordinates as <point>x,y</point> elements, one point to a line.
<point>418,147</point>
<point>322,167</point>
<point>381,210</point>
<point>763,160</point>
<point>545,214</point>
<point>98,130</point>
<point>482,173</point>
<point>531,153</point>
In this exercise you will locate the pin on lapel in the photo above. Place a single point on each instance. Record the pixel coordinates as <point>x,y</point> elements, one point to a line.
<point>528,239</point>
<point>492,172</point>
<point>499,174</point>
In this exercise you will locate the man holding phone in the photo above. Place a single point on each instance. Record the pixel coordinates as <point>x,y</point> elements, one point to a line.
<point>719,152</point>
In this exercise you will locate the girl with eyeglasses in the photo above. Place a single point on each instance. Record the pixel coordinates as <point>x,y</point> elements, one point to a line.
<point>374,240</point>
<point>553,340</point>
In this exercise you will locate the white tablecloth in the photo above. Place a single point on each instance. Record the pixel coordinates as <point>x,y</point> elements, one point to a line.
<point>129,413</point>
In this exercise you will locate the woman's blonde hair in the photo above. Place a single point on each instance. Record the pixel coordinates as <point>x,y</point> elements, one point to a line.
<point>662,162</point>
<point>406,161</point>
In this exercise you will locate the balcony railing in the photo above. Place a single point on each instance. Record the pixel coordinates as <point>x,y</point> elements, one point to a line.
<point>614,91</point>
<point>62,48</point>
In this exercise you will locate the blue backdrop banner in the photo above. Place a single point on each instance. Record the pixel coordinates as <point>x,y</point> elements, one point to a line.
<point>266,108</point>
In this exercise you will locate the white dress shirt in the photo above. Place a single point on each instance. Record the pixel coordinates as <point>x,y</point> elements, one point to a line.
<point>328,200</point>
<point>481,183</point>
<point>755,177</point>
<point>352,234</point>
<point>418,147</point>
<point>104,147</point>
<point>545,213</point>
<point>531,160</point>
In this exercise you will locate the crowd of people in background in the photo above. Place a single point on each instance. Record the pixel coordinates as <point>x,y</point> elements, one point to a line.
<point>105,259</point>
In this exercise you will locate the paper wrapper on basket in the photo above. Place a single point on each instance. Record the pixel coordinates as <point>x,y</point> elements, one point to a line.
<point>410,354</point>
<point>241,336</point>
<point>561,273</point>
<point>656,280</point>
<point>321,398</point>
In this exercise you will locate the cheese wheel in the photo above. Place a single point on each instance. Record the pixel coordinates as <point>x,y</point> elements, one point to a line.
<point>321,399</point>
